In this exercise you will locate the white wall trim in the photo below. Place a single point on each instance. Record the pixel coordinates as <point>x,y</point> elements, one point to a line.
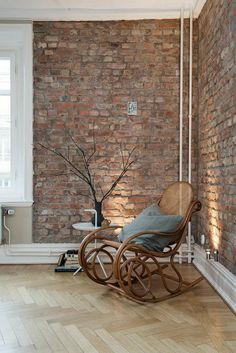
<point>17,203</point>
<point>42,253</point>
<point>219,277</point>
<point>92,10</point>
<point>198,7</point>
<point>87,14</point>
<point>34,253</point>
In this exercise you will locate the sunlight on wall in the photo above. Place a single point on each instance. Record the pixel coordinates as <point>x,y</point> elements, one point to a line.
<point>216,235</point>
<point>215,223</point>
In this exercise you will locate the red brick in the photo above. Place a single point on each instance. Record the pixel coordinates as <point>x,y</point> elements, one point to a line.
<point>216,148</point>
<point>91,82</point>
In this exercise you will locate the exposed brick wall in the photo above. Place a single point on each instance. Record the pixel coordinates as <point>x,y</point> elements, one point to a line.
<point>217,127</point>
<point>84,74</point>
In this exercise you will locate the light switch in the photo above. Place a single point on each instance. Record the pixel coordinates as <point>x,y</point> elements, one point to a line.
<point>132,108</point>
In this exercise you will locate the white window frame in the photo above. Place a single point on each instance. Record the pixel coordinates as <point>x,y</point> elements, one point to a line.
<point>16,41</point>
<point>14,108</point>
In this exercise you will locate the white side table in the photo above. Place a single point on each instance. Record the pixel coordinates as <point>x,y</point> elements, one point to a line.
<point>88,227</point>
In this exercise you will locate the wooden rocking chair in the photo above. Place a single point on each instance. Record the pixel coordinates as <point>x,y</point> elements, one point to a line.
<point>132,269</point>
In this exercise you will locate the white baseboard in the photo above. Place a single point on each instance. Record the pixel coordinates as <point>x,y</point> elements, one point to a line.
<point>34,253</point>
<point>219,277</point>
<point>42,253</point>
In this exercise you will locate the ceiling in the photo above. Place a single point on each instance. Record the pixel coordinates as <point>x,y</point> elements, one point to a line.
<point>82,10</point>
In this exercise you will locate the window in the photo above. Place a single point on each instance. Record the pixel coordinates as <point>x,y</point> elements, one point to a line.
<point>7,80</point>
<point>15,113</point>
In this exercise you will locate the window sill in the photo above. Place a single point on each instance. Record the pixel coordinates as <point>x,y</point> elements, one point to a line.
<point>17,203</point>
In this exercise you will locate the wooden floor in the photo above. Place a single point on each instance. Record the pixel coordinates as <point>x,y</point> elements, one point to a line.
<point>42,311</point>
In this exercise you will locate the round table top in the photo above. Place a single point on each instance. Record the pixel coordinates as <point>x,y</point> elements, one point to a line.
<point>87,226</point>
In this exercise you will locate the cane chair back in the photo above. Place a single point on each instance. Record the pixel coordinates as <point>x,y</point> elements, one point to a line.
<point>177,198</point>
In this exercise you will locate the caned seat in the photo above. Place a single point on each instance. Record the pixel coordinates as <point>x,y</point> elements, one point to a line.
<point>133,270</point>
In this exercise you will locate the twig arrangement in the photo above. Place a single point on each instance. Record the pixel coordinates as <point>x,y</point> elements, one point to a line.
<point>85,173</point>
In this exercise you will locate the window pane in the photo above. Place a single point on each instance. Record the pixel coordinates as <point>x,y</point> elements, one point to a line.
<point>5,124</point>
<point>5,65</point>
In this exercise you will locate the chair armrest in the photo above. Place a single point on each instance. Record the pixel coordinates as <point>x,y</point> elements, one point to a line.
<point>90,238</point>
<point>95,234</point>
<point>196,206</point>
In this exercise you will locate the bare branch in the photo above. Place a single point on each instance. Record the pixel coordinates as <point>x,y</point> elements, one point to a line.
<point>86,175</point>
<point>78,146</point>
<point>59,154</point>
<point>126,167</point>
<point>61,174</point>
<point>79,193</point>
<point>91,189</point>
<point>130,154</point>
<point>86,165</point>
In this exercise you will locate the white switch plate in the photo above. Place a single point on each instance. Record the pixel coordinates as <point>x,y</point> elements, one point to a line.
<point>132,108</point>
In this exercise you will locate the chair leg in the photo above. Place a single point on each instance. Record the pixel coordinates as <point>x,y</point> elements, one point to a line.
<point>92,264</point>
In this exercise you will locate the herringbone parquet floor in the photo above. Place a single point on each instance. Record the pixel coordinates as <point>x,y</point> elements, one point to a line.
<point>42,311</point>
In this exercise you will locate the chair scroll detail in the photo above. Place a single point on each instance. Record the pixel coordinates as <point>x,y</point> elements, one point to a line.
<point>132,269</point>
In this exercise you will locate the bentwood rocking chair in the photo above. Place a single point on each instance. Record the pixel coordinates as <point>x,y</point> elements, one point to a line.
<point>135,269</point>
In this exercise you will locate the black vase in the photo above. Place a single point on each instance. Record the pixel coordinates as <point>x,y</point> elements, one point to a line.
<point>100,218</point>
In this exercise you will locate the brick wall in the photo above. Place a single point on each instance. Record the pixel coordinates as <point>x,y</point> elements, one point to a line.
<point>217,127</point>
<point>84,75</point>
